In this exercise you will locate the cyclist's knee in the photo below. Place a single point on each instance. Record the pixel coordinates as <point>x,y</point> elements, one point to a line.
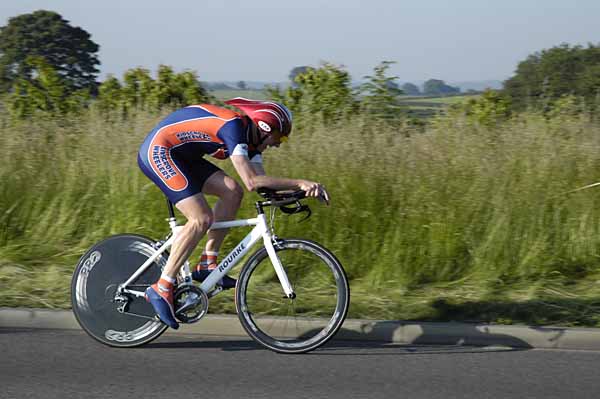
<point>201,223</point>
<point>234,193</point>
<point>237,193</point>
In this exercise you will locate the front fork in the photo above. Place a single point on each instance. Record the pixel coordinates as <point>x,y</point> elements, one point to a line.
<point>268,240</point>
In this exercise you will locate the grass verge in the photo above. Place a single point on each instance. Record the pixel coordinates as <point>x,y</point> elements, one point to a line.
<point>462,222</point>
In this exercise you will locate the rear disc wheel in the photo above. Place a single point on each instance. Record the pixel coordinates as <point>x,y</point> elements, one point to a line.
<point>97,276</point>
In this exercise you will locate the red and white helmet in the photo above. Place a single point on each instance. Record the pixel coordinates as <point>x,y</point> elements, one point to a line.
<point>268,116</point>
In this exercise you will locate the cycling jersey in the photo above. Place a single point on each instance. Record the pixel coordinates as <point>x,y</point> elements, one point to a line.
<point>172,154</point>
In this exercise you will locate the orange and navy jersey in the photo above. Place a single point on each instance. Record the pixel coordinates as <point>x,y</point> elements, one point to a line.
<point>172,154</point>
<point>195,131</point>
<point>209,129</point>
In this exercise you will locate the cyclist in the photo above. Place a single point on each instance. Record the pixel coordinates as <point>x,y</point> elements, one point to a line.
<point>172,156</point>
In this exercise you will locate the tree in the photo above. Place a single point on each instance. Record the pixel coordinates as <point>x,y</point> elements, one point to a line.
<point>44,92</point>
<point>139,90</point>
<point>411,89</point>
<point>323,92</point>
<point>550,74</point>
<point>242,85</point>
<point>488,109</point>
<point>297,71</point>
<point>110,95</point>
<point>66,49</point>
<point>438,87</point>
<point>380,93</point>
<point>588,83</point>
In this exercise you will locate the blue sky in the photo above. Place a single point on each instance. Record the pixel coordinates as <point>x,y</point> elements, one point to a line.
<point>461,40</point>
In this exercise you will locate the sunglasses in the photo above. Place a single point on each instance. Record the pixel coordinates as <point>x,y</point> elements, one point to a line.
<point>277,136</point>
<point>283,139</point>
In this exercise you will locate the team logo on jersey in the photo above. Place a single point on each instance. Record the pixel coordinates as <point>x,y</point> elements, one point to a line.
<point>162,161</point>
<point>185,137</point>
<point>264,126</point>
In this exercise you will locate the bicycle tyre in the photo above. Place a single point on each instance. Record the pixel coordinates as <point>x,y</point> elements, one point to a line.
<point>104,266</point>
<point>309,320</point>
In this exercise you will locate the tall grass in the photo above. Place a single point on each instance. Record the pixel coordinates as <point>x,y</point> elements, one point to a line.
<point>459,222</point>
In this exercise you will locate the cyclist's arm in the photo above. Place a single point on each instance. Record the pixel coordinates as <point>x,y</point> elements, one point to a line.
<point>252,179</point>
<point>258,168</point>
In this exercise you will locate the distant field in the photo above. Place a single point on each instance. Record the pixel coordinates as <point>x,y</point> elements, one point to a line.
<point>226,94</point>
<point>440,100</point>
<point>424,107</point>
<point>419,106</point>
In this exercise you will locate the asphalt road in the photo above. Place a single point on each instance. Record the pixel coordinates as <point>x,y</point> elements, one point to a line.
<point>68,364</point>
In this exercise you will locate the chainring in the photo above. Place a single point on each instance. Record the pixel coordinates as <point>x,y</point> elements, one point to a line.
<point>191,303</point>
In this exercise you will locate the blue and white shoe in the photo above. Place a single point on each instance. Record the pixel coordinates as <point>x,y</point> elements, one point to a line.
<point>161,299</point>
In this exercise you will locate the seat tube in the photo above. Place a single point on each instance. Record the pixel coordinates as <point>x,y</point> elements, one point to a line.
<point>281,274</point>
<point>185,273</point>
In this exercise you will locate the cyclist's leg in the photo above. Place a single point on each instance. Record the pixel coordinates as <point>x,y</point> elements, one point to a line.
<point>230,196</point>
<point>183,188</point>
<point>199,218</point>
<point>181,180</point>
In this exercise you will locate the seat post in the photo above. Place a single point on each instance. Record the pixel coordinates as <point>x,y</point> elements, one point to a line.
<point>171,211</point>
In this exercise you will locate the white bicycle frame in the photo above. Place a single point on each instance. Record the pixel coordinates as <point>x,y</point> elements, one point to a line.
<point>261,230</point>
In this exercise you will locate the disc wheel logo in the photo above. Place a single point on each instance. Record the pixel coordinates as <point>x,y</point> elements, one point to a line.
<point>264,126</point>
<point>90,262</point>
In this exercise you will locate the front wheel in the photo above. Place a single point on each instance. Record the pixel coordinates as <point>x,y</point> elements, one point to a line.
<point>303,323</point>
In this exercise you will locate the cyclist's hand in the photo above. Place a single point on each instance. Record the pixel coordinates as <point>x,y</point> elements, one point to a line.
<point>314,189</point>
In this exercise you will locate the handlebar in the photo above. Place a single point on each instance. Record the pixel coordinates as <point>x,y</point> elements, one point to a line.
<point>278,198</point>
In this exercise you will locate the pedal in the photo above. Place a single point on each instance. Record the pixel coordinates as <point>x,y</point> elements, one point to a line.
<point>218,288</point>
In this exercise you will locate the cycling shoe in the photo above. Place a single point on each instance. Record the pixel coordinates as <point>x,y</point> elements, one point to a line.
<point>161,300</point>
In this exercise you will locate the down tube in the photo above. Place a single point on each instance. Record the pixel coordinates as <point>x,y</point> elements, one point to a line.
<point>233,257</point>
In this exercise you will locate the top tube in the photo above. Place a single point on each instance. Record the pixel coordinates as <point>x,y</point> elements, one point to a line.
<point>234,223</point>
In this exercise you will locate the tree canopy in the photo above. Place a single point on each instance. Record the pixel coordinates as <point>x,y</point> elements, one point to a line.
<point>44,92</point>
<point>411,89</point>
<point>324,92</point>
<point>437,87</point>
<point>297,71</point>
<point>65,48</point>
<point>380,92</point>
<point>549,74</point>
<point>140,90</point>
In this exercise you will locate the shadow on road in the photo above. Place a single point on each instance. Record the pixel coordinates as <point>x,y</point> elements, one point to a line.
<point>204,343</point>
<point>334,348</point>
<point>366,348</point>
<point>395,337</point>
<point>18,330</point>
<point>424,333</point>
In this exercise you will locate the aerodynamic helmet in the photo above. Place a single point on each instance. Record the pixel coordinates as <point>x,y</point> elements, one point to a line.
<point>268,116</point>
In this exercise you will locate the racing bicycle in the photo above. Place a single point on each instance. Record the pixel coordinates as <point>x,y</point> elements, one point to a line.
<point>291,296</point>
